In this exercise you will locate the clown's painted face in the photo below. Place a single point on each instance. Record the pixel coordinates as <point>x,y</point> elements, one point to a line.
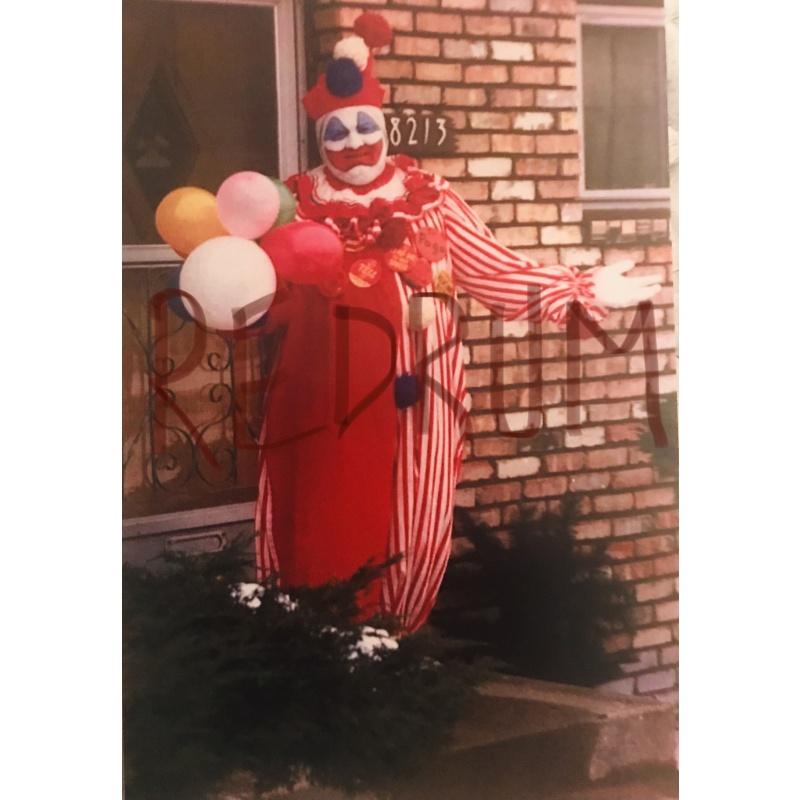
<point>353,143</point>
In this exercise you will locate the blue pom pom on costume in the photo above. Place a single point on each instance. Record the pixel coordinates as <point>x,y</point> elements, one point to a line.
<point>407,390</point>
<point>343,77</point>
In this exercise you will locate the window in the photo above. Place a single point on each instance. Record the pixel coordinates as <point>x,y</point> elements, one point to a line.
<point>202,99</point>
<point>623,105</point>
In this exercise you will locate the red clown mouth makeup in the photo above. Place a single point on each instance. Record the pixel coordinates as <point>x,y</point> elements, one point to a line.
<point>366,155</point>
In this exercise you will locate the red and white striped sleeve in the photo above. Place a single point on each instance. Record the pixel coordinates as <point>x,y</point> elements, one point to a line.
<point>509,285</point>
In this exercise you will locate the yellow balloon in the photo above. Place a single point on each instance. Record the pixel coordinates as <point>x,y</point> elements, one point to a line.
<point>186,218</point>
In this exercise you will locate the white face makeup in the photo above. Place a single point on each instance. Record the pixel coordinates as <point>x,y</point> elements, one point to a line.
<point>353,143</point>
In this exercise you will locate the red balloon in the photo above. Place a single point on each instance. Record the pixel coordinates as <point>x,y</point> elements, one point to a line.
<point>304,252</point>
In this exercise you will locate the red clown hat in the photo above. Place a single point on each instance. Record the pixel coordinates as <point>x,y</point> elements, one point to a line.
<point>348,79</point>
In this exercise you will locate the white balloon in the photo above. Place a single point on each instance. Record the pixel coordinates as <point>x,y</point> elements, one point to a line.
<point>224,275</point>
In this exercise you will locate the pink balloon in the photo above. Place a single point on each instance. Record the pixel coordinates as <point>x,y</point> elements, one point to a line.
<point>248,204</point>
<point>304,252</point>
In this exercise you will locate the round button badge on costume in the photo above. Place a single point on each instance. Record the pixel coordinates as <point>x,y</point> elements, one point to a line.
<point>400,259</point>
<point>431,244</point>
<point>443,283</point>
<point>365,272</point>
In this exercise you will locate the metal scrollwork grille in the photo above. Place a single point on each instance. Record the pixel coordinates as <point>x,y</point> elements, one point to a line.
<point>192,405</point>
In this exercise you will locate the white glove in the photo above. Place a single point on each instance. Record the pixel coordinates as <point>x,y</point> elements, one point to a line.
<point>613,289</point>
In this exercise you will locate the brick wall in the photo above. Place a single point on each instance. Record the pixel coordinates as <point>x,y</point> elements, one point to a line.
<point>505,72</point>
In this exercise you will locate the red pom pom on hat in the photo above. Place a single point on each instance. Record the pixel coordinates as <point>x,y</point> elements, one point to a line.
<point>374,29</point>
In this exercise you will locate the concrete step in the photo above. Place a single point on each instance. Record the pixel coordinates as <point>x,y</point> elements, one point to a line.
<point>522,739</point>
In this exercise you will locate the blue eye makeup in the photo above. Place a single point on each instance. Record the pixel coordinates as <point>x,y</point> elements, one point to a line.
<point>365,123</point>
<point>335,131</point>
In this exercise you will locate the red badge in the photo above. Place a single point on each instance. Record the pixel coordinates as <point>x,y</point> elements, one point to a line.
<point>365,272</point>
<point>400,259</point>
<point>431,244</point>
<point>420,275</point>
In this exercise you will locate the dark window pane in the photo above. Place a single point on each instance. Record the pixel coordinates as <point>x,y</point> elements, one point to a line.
<point>624,105</point>
<point>198,102</point>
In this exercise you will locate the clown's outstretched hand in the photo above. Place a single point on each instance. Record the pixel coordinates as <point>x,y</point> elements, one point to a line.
<point>614,289</point>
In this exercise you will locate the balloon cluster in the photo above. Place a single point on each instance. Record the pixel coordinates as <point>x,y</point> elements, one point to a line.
<point>237,245</point>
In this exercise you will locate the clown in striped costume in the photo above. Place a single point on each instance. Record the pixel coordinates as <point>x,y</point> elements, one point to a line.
<point>365,422</point>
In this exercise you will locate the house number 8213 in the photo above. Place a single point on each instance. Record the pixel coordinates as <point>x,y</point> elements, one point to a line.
<point>423,132</point>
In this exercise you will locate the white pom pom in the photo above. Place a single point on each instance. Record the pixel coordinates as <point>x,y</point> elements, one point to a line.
<point>353,47</point>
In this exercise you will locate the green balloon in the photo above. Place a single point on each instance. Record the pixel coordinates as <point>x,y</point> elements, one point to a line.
<point>287,208</point>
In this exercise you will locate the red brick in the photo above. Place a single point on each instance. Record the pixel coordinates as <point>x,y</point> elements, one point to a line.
<point>432,71</point>
<point>394,68</point>
<point>556,98</point>
<point>468,5</point>
<point>488,26</point>
<point>669,655</point>
<point>634,571</point>
<point>589,481</point>
<point>536,167</point>
<point>536,212</point>
<point>513,143</point>
<point>535,27</point>
<point>498,493</point>
<point>620,550</point>
<point>467,190</point>
<point>474,143</point>
<point>446,167</point>
<point>511,98</point>
<point>418,46</point>
<point>642,615</point>
<point>666,565</point>
<point>630,526</point>
<point>556,52</point>
<point>399,20</point>
<point>529,75</point>
<point>546,487</point>
<point>613,457</point>
<point>568,120</point>
<point>628,387</point>
<point>659,255</point>
<point>664,496</point>
<point>569,167</point>
<point>475,471</point>
<point>557,143</point>
<point>609,503</point>
<point>565,7</point>
<point>486,73</point>
<point>667,519</point>
<point>593,529</point>
<point>655,545</point>
<point>465,498</point>
<point>567,29</point>
<point>655,681</point>
<point>494,212</point>
<point>438,23</point>
<point>654,590</point>
<point>667,612</point>
<point>464,97</point>
<point>459,118</point>
<point>601,367</point>
<point>417,95</point>
<point>490,120</point>
<point>554,189</point>
<point>567,76</point>
<point>642,476</point>
<point>489,516</point>
<point>627,432</point>
<point>482,423</point>
<point>517,237</point>
<point>593,390</point>
<point>601,412</point>
<point>617,643</point>
<point>494,446</point>
<point>564,462</point>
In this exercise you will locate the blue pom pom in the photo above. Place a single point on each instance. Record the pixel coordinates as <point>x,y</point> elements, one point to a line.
<point>343,77</point>
<point>407,390</point>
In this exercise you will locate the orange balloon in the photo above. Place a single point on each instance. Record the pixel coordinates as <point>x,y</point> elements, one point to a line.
<point>187,217</point>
